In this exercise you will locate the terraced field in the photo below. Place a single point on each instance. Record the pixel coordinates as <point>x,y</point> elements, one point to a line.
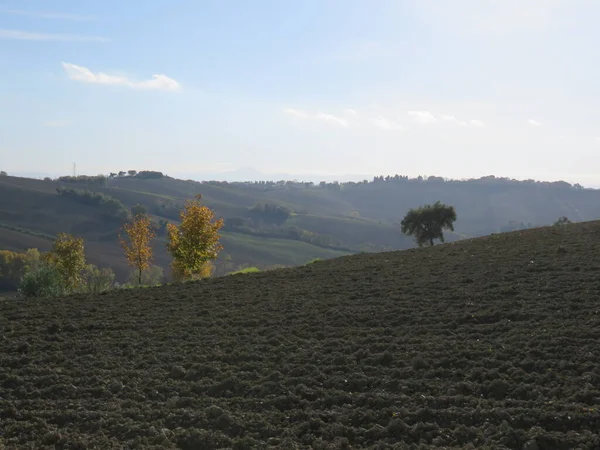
<point>489,343</point>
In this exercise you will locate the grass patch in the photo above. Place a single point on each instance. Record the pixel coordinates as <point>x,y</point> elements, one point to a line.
<point>246,270</point>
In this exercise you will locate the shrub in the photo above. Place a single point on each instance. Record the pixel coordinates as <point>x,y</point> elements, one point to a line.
<point>206,271</point>
<point>44,281</point>
<point>97,280</point>
<point>152,276</point>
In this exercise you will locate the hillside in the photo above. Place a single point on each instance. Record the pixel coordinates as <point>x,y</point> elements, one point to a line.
<point>325,220</point>
<point>486,343</point>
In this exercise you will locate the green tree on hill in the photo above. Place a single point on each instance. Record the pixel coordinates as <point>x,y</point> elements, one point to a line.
<point>427,223</point>
<point>194,244</point>
<point>564,220</point>
<point>68,257</point>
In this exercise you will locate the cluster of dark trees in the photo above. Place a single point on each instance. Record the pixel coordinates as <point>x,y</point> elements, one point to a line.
<point>97,180</point>
<point>488,180</point>
<point>109,205</point>
<point>269,213</point>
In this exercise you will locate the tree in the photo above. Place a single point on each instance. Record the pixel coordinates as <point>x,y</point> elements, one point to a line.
<point>3,173</point>
<point>132,173</point>
<point>68,256</point>
<point>195,242</point>
<point>428,222</point>
<point>14,265</point>
<point>138,251</point>
<point>564,220</point>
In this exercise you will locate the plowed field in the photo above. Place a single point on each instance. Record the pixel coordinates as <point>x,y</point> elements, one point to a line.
<point>489,343</point>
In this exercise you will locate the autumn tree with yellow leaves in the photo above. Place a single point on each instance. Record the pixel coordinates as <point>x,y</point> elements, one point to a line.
<point>68,256</point>
<point>138,250</point>
<point>195,242</point>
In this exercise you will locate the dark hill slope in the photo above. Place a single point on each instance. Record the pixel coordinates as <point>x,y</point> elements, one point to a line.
<point>31,211</point>
<point>491,342</point>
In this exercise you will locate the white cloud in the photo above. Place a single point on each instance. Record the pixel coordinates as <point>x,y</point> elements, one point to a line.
<point>534,123</point>
<point>385,124</point>
<point>350,112</point>
<point>30,36</point>
<point>422,117</point>
<point>319,116</point>
<point>332,118</point>
<point>453,120</point>
<point>296,113</point>
<point>47,15</point>
<point>85,75</point>
<point>476,123</point>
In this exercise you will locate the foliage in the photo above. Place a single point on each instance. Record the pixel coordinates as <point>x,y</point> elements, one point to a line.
<point>246,270</point>
<point>139,209</point>
<point>109,204</point>
<point>98,180</point>
<point>206,270</point>
<point>195,241</point>
<point>3,173</point>
<point>68,256</point>
<point>151,276</point>
<point>428,222</point>
<point>44,236</point>
<point>149,174</point>
<point>137,243</point>
<point>562,221</point>
<point>14,265</point>
<point>44,281</point>
<point>97,280</point>
<point>269,213</point>
<point>161,227</point>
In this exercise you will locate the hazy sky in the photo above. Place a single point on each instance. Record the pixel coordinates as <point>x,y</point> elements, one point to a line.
<point>456,88</point>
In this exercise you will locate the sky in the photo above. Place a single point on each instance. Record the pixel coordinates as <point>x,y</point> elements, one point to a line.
<point>452,88</point>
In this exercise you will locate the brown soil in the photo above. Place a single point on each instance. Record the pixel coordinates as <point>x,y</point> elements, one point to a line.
<point>492,343</point>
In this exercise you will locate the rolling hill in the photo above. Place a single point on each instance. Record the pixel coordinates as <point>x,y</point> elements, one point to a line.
<point>325,220</point>
<point>483,343</point>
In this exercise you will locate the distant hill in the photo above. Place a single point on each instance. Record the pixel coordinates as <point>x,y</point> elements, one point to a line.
<point>488,343</point>
<point>319,220</point>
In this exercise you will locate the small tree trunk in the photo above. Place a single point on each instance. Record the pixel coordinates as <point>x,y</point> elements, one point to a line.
<point>431,242</point>
<point>140,277</point>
